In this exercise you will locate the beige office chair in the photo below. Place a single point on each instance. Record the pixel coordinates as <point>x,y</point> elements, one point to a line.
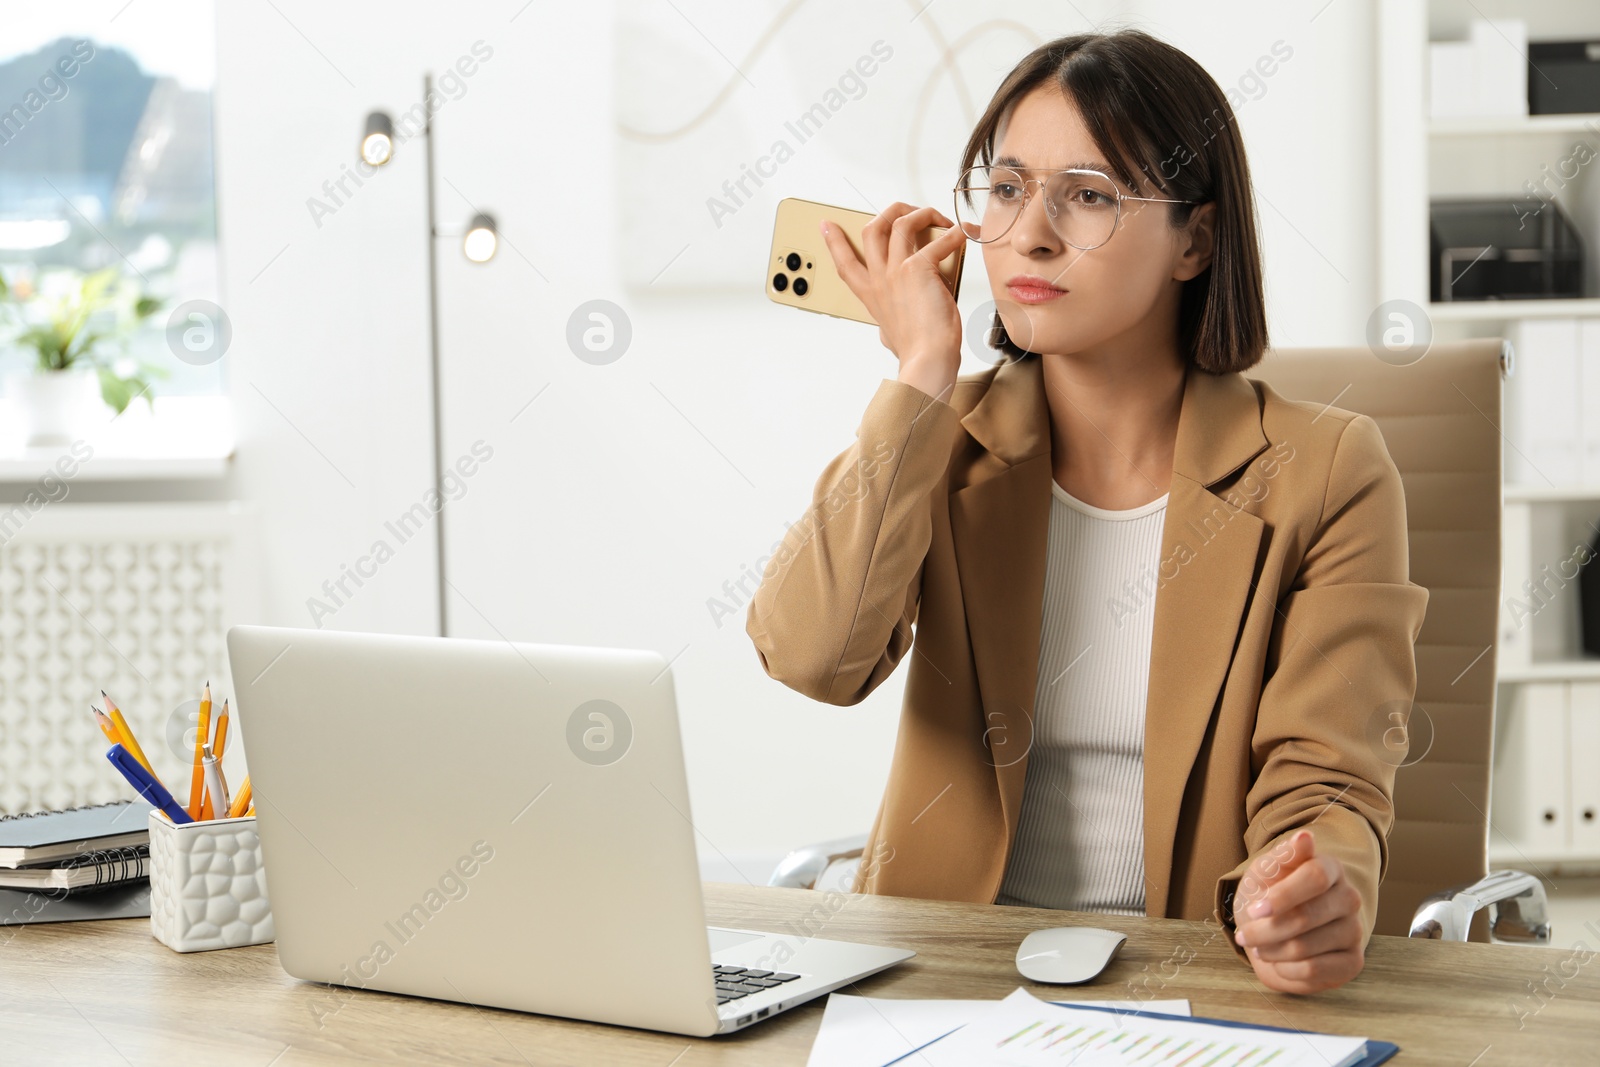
<point>1441,420</point>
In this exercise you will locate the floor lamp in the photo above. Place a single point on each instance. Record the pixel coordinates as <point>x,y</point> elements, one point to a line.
<point>477,244</point>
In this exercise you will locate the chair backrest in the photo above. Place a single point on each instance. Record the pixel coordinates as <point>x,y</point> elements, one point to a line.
<point>1441,421</point>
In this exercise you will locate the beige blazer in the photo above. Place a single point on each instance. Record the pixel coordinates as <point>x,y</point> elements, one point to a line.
<point>1284,623</point>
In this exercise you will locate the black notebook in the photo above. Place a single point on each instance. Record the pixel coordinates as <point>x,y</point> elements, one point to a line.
<point>128,900</point>
<point>32,838</point>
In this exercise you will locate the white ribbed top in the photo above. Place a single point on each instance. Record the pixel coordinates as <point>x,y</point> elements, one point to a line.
<point>1080,842</point>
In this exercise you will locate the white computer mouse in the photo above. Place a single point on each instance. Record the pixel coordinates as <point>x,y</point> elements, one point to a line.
<point>1068,954</point>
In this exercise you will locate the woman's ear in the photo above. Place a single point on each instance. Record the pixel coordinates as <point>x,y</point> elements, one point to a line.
<point>1196,243</point>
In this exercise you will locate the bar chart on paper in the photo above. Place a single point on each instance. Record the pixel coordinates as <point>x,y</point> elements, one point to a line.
<point>1023,1031</point>
<point>1058,1043</point>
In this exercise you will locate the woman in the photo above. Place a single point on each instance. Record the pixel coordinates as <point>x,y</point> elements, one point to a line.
<point>1158,607</point>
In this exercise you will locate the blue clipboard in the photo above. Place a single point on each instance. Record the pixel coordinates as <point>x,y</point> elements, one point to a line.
<point>1377,1051</point>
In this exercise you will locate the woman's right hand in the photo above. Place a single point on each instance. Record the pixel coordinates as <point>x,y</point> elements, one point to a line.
<point>901,288</point>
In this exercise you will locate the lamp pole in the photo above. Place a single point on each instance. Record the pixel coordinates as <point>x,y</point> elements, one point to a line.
<point>478,244</point>
<point>433,352</point>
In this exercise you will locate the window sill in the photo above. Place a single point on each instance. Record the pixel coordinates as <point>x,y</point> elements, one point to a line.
<point>183,438</point>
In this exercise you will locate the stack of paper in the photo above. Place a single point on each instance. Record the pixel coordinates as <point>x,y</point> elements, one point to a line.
<point>875,1031</point>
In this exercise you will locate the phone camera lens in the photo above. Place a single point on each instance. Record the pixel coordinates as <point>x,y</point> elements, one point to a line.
<point>792,261</point>
<point>780,282</point>
<point>800,287</point>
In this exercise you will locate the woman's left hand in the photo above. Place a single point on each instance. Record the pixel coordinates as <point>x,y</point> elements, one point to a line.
<point>1299,919</point>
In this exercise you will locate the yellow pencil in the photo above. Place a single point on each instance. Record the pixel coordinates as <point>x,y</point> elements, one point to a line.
<point>107,727</point>
<point>221,744</point>
<point>242,801</point>
<point>201,738</point>
<point>129,742</point>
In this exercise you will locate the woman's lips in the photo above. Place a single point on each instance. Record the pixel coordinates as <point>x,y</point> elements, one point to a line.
<point>1033,294</point>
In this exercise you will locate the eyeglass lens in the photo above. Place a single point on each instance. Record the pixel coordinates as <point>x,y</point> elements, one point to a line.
<point>1081,205</point>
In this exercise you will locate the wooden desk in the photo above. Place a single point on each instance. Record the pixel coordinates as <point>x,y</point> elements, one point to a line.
<point>107,992</point>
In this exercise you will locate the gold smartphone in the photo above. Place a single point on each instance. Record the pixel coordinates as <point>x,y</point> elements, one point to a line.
<point>800,270</point>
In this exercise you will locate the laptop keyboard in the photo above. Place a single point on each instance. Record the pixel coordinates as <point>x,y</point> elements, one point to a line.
<point>736,982</point>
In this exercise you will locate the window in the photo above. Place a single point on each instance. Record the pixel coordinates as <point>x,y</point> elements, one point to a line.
<point>106,163</point>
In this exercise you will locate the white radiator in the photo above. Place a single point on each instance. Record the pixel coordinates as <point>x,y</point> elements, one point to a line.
<point>134,599</point>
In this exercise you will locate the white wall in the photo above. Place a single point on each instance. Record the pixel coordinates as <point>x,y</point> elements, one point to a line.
<point>626,495</point>
<point>328,370</point>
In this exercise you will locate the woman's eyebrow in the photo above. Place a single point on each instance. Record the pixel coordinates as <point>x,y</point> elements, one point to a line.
<point>1016,164</point>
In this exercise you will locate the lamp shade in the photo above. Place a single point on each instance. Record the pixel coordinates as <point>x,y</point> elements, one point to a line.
<point>481,240</point>
<point>377,141</point>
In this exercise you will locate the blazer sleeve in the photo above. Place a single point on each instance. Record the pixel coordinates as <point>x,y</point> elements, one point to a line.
<point>1341,658</point>
<point>832,616</point>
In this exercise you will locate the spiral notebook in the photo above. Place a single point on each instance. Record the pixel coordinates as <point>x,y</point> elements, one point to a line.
<point>31,838</point>
<point>92,870</point>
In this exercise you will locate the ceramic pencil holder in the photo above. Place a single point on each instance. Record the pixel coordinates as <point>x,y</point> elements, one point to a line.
<point>207,885</point>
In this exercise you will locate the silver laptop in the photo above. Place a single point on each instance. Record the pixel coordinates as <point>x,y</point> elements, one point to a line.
<point>499,824</point>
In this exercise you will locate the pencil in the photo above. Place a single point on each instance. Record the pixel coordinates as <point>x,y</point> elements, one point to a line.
<point>107,727</point>
<point>129,742</point>
<point>242,801</point>
<point>201,738</point>
<point>222,730</point>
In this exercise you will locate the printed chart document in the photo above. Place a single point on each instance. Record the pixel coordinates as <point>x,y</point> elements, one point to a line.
<point>877,1031</point>
<point>1024,1031</point>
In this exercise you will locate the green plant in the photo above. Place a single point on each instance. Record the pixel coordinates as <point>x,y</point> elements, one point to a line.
<point>90,324</point>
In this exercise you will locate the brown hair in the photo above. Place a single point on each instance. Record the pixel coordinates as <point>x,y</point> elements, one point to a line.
<point>1153,110</point>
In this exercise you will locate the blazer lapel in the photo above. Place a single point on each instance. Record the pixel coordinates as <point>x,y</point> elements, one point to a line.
<point>1209,549</point>
<point>1000,524</point>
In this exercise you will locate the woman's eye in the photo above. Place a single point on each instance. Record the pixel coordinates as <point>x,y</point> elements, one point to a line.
<point>1006,192</point>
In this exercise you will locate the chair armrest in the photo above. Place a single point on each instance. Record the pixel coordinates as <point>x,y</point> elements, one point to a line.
<point>801,868</point>
<point>1516,903</point>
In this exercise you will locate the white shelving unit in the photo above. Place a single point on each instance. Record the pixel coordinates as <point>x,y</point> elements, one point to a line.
<point>1509,126</point>
<point>1422,159</point>
<point>1502,311</point>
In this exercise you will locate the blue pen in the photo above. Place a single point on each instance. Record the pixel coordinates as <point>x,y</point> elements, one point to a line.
<point>153,791</point>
